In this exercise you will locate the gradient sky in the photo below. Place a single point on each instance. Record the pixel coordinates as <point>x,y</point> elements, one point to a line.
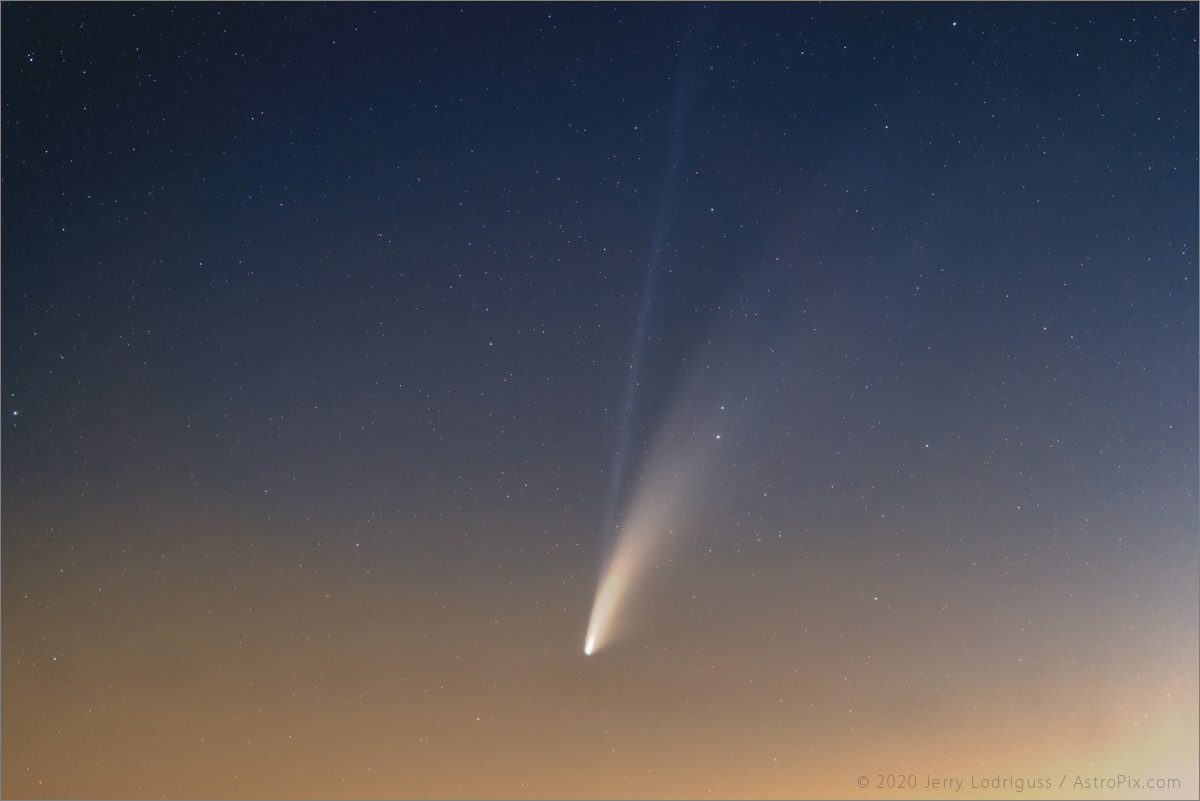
<point>322,372</point>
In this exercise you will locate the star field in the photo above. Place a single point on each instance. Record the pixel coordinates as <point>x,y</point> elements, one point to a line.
<point>322,369</point>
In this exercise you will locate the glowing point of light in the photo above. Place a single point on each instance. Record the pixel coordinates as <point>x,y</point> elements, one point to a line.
<point>589,646</point>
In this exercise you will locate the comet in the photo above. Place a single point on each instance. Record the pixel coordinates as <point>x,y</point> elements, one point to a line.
<point>696,430</point>
<point>660,500</point>
<point>711,420</point>
<point>628,564</point>
<point>637,541</point>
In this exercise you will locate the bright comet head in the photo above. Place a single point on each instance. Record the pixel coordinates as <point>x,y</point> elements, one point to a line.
<point>589,646</point>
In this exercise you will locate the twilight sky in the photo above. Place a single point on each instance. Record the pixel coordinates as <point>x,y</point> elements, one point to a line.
<point>343,345</point>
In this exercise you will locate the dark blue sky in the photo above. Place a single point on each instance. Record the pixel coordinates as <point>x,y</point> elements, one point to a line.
<point>354,288</point>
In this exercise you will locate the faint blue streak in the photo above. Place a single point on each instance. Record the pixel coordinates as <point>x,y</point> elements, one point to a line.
<point>665,203</point>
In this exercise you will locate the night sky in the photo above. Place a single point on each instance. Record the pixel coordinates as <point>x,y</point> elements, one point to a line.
<point>344,345</point>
